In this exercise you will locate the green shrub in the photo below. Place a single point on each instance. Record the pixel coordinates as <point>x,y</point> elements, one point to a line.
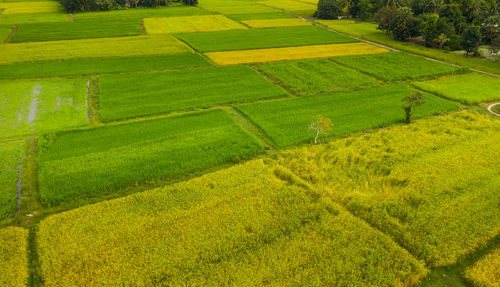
<point>72,6</point>
<point>328,9</point>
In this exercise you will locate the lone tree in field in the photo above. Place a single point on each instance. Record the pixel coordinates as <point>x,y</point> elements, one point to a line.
<point>321,126</point>
<point>410,101</point>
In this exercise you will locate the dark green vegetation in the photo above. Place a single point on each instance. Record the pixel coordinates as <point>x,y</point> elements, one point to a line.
<point>316,75</point>
<point>139,94</point>
<point>262,38</point>
<point>287,121</point>
<point>11,154</point>
<point>78,166</point>
<point>496,109</point>
<point>98,66</point>
<point>397,66</point>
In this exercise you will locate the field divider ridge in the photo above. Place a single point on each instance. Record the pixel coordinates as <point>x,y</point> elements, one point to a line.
<point>12,33</point>
<point>251,127</point>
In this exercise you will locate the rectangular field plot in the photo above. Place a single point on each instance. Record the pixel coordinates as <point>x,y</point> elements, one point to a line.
<point>183,24</point>
<point>241,9</point>
<point>13,256</point>
<point>11,155</point>
<point>432,185</point>
<point>98,66</point>
<point>30,7</point>
<point>398,66</point>
<point>486,271</point>
<point>243,226</point>
<point>316,75</point>
<point>5,32</point>
<point>13,19</point>
<point>270,23</point>
<point>92,48</point>
<point>79,166</point>
<point>262,38</point>
<point>469,88</point>
<point>257,16</point>
<point>287,121</point>
<point>31,107</point>
<point>140,94</point>
<point>293,53</point>
<point>298,7</point>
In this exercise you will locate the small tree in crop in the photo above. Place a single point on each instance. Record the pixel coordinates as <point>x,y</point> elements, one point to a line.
<point>328,9</point>
<point>410,101</point>
<point>320,126</point>
<point>471,38</point>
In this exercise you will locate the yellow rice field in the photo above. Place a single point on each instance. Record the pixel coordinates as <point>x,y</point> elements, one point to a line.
<point>336,22</point>
<point>298,7</point>
<point>186,24</point>
<point>13,256</point>
<point>293,53</point>
<point>271,23</point>
<point>486,271</point>
<point>30,7</point>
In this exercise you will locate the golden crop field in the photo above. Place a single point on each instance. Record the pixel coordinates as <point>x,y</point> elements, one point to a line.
<point>269,23</point>
<point>203,23</point>
<point>298,7</point>
<point>293,53</point>
<point>13,256</point>
<point>486,271</point>
<point>30,7</point>
<point>336,22</point>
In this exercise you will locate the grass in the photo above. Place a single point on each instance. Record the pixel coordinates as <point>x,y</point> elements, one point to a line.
<point>31,107</point>
<point>184,24</point>
<point>270,23</point>
<point>141,94</point>
<point>257,16</point>
<point>292,53</point>
<point>469,88</point>
<point>432,185</point>
<point>368,31</point>
<point>13,256</point>
<point>241,226</point>
<point>99,66</point>
<point>262,38</point>
<point>241,9</point>
<point>486,271</point>
<point>5,32</point>
<point>316,75</point>
<point>136,14</point>
<point>11,154</point>
<point>30,7</point>
<point>287,121</point>
<point>92,48</point>
<point>80,166</point>
<point>12,19</point>
<point>298,7</point>
<point>398,66</point>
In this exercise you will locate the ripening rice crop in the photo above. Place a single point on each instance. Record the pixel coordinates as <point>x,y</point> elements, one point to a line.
<point>270,23</point>
<point>398,66</point>
<point>92,48</point>
<point>486,271</point>
<point>11,155</point>
<point>30,7</point>
<point>256,16</point>
<point>336,22</point>
<point>432,185</point>
<point>203,23</point>
<point>316,75</point>
<point>141,94</point>
<point>298,7</point>
<point>30,107</point>
<point>292,53</point>
<point>79,166</point>
<point>287,121</point>
<point>469,88</point>
<point>243,226</point>
<point>13,256</point>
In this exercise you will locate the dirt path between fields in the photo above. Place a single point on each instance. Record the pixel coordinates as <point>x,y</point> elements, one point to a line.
<point>490,109</point>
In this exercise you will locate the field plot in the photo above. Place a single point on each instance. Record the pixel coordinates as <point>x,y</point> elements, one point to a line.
<point>297,7</point>
<point>11,154</point>
<point>78,166</point>
<point>316,75</point>
<point>398,66</point>
<point>270,23</point>
<point>98,66</point>
<point>292,53</point>
<point>262,38</point>
<point>30,7</point>
<point>5,32</point>
<point>12,19</point>
<point>13,256</point>
<point>433,185</point>
<point>35,106</point>
<point>241,226</point>
<point>469,88</point>
<point>136,14</point>
<point>486,271</point>
<point>257,16</point>
<point>287,121</point>
<point>92,48</point>
<point>140,94</point>
<point>241,9</point>
<point>167,25</point>
<point>336,22</point>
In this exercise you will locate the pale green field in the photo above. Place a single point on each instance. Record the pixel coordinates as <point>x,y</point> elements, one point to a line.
<point>169,25</point>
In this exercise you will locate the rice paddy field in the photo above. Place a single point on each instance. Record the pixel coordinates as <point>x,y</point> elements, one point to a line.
<point>175,146</point>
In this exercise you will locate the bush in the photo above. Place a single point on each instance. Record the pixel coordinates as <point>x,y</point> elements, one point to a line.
<point>190,2</point>
<point>328,9</point>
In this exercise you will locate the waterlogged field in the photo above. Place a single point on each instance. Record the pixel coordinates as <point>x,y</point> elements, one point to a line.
<point>316,75</point>
<point>432,185</point>
<point>168,25</point>
<point>486,271</point>
<point>139,94</point>
<point>13,256</point>
<point>287,121</point>
<point>40,105</point>
<point>92,48</point>
<point>292,53</point>
<point>30,7</point>
<point>241,226</point>
<point>11,154</point>
<point>99,66</point>
<point>469,88</point>
<point>79,166</point>
<point>270,23</point>
<point>398,66</point>
<point>262,38</point>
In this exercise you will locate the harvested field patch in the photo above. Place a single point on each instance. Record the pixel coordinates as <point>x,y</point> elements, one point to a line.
<point>13,256</point>
<point>271,23</point>
<point>11,154</point>
<point>30,7</point>
<point>168,25</point>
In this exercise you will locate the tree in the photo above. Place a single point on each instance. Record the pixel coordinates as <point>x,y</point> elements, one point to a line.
<point>384,17</point>
<point>404,24</point>
<point>495,47</point>
<point>410,101</point>
<point>328,9</point>
<point>430,28</point>
<point>441,40</point>
<point>320,126</point>
<point>190,2</point>
<point>471,38</point>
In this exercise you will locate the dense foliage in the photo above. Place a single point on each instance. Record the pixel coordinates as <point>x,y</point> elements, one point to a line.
<point>102,5</point>
<point>13,256</point>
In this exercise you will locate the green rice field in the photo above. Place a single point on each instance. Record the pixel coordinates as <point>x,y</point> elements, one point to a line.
<point>11,155</point>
